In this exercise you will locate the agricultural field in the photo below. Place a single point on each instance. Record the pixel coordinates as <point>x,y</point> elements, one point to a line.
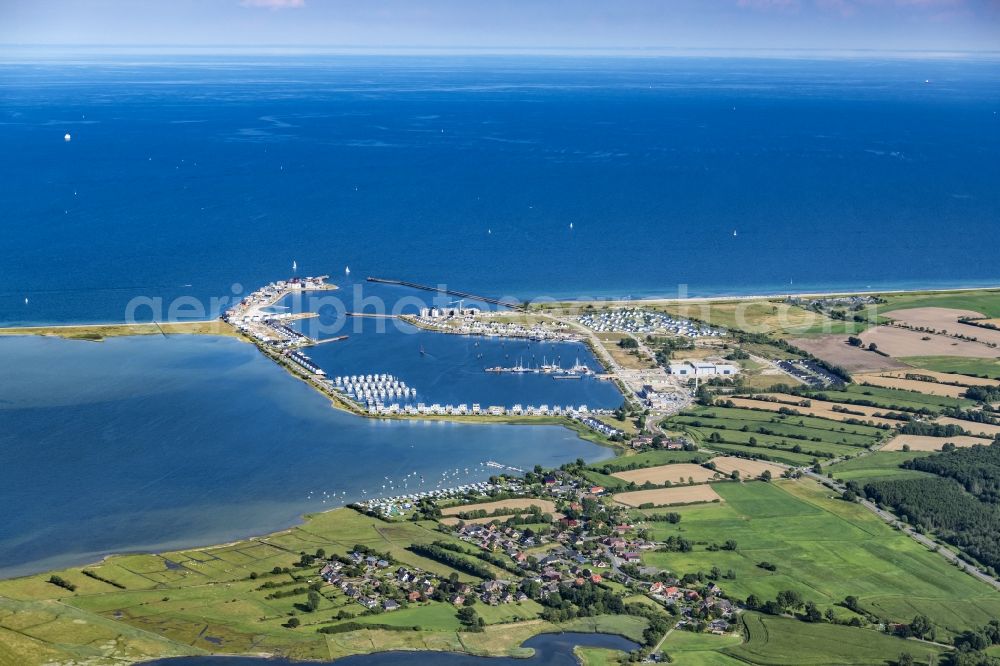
<point>972,367</point>
<point>693,649</point>
<point>789,438</point>
<point>647,459</point>
<point>893,399</point>
<point>926,443</point>
<point>778,455</point>
<point>748,469</point>
<point>780,641</point>
<point>819,408</point>
<point>879,465</point>
<point>835,350</point>
<point>946,320</point>
<point>985,301</point>
<point>930,388</point>
<point>983,429</point>
<point>676,473</point>
<point>901,342</point>
<point>944,377</point>
<point>825,549</point>
<point>669,496</point>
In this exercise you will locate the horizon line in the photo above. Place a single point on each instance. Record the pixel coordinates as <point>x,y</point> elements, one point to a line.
<point>278,49</point>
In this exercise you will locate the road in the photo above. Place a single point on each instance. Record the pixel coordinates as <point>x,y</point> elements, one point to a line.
<point>912,533</point>
<point>625,377</point>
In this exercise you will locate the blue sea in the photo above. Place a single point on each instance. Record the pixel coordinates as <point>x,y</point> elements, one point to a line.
<point>189,183</point>
<point>188,175</point>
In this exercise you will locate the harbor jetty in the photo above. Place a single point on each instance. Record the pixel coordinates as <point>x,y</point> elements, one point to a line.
<point>449,292</point>
<point>255,317</point>
<point>376,394</point>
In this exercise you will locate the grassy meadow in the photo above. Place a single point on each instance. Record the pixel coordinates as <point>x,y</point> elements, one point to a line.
<point>826,549</point>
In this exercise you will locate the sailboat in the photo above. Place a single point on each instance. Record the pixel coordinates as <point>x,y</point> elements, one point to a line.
<point>295,266</point>
<point>347,270</point>
<point>25,300</point>
<point>422,352</point>
<point>570,225</point>
<point>734,232</point>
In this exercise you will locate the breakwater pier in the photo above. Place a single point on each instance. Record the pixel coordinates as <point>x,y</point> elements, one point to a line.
<point>450,292</point>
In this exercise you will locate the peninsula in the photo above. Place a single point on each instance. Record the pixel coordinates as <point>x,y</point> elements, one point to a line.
<point>855,417</point>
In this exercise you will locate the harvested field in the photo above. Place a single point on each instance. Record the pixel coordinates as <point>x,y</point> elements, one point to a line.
<point>904,342</point>
<point>667,496</point>
<point>676,473</point>
<point>927,443</point>
<point>944,377</point>
<point>746,468</point>
<point>935,318</point>
<point>834,350</point>
<point>819,408</point>
<point>984,429</point>
<point>946,319</point>
<point>930,388</point>
<point>489,507</point>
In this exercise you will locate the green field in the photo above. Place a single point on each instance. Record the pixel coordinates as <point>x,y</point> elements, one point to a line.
<point>600,656</point>
<point>692,649</point>
<point>203,600</point>
<point>825,549</point>
<point>782,434</point>
<point>889,398</point>
<point>829,430</point>
<point>647,459</point>
<point>881,464</point>
<point>976,367</point>
<point>783,641</point>
<point>777,454</point>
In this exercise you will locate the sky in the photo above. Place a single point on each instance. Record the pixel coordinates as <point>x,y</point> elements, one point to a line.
<point>519,25</point>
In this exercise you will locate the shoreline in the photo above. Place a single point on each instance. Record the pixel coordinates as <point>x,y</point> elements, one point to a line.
<point>762,297</point>
<point>16,329</point>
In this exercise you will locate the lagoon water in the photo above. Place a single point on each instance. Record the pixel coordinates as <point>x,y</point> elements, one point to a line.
<point>188,175</point>
<point>549,650</point>
<point>147,443</point>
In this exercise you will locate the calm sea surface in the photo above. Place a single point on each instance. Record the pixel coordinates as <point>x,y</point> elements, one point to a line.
<point>185,177</point>
<point>148,443</point>
<point>195,179</point>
